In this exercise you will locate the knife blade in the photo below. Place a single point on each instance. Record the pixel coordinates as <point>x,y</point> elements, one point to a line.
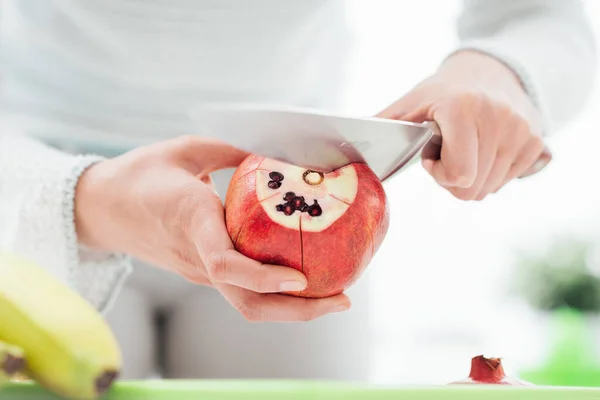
<point>318,140</point>
<point>313,139</point>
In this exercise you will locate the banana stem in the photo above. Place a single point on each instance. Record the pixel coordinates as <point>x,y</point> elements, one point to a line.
<point>12,362</point>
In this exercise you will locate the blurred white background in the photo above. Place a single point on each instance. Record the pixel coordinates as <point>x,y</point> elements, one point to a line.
<point>440,280</point>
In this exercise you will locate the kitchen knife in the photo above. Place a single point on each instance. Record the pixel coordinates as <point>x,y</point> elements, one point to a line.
<point>322,141</point>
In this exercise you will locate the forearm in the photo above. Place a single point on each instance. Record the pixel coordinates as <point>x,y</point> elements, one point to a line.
<point>37,187</point>
<point>547,43</point>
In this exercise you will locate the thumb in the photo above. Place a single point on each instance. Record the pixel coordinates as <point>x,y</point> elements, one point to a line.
<point>206,155</point>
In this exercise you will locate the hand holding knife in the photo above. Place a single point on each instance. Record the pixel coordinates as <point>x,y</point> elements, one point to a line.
<point>324,141</point>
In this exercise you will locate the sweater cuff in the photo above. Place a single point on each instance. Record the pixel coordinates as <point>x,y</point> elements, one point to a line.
<point>97,275</point>
<point>37,195</point>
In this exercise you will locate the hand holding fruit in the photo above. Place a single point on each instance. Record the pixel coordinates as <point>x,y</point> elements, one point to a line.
<point>491,130</point>
<point>157,203</point>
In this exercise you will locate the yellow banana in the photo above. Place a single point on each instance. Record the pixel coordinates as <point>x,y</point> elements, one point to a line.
<point>12,361</point>
<point>69,347</point>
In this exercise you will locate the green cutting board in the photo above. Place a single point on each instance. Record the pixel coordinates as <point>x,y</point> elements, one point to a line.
<point>305,390</point>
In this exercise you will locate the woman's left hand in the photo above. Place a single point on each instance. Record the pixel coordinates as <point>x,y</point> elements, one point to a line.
<point>491,130</point>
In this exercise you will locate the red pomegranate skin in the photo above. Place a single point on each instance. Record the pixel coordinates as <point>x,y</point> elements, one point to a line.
<point>489,371</point>
<point>331,241</point>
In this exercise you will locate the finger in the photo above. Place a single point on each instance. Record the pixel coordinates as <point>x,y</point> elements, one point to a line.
<point>457,166</point>
<point>499,169</point>
<point>231,267</point>
<point>257,307</point>
<point>514,142</point>
<point>486,157</point>
<point>528,155</point>
<point>225,265</point>
<point>208,181</point>
<point>206,155</point>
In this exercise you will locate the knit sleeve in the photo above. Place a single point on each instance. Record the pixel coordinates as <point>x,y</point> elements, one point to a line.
<point>549,44</point>
<point>37,192</point>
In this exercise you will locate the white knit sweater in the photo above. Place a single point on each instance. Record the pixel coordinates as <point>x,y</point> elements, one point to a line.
<point>120,73</point>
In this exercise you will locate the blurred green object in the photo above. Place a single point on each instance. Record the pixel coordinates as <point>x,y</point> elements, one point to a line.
<point>563,284</point>
<point>572,360</point>
<point>306,390</point>
<point>561,277</point>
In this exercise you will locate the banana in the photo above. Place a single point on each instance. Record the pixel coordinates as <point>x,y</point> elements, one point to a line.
<point>12,361</point>
<point>69,347</point>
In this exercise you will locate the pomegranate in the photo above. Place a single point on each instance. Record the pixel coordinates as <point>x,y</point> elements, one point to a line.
<point>489,371</point>
<point>327,226</point>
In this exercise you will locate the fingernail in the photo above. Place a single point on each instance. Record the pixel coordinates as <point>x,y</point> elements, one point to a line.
<point>463,182</point>
<point>539,164</point>
<point>291,286</point>
<point>340,308</point>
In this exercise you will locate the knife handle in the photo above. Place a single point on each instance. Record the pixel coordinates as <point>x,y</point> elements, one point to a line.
<point>433,149</point>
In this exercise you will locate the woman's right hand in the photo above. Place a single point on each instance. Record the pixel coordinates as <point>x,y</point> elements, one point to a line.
<point>158,204</point>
